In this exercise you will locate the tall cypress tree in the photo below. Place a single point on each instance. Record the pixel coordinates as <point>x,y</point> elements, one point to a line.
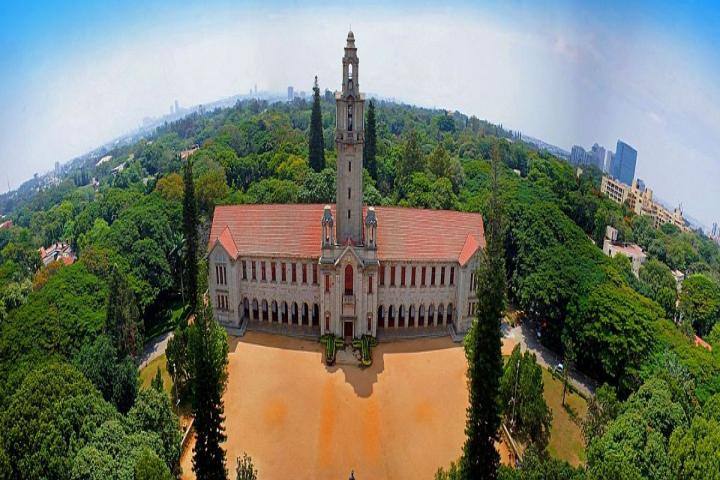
<point>208,349</point>
<point>317,143</point>
<point>411,161</point>
<point>370,150</point>
<point>190,222</point>
<point>483,348</point>
<point>122,321</point>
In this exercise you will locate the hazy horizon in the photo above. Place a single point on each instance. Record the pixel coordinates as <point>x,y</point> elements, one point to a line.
<point>76,76</point>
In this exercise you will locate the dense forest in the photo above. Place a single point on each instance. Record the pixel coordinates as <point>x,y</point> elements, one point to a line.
<point>70,398</point>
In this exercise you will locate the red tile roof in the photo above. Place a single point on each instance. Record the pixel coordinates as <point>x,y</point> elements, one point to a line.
<point>294,231</point>
<point>630,249</point>
<point>226,240</point>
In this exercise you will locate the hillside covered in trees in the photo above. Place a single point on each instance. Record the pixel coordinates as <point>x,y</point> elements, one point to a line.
<point>70,399</point>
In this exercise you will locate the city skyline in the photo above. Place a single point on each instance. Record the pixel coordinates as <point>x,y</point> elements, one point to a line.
<point>69,87</point>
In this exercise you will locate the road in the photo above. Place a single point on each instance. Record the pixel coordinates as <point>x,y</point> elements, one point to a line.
<point>155,348</point>
<point>525,335</point>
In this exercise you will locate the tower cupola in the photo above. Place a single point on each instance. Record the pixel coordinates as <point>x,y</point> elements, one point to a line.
<point>371,228</point>
<point>351,86</point>
<point>328,232</point>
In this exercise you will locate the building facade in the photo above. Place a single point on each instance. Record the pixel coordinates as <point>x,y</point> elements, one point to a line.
<point>623,163</point>
<point>578,155</point>
<point>633,252</point>
<point>345,269</point>
<point>596,156</point>
<point>640,200</point>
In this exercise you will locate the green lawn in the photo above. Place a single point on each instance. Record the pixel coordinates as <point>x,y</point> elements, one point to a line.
<point>148,373</point>
<point>566,440</point>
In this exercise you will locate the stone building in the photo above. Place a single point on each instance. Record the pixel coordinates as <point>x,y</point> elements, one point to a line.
<point>633,252</point>
<point>346,269</point>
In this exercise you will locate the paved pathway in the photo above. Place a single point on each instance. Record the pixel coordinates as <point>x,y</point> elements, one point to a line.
<point>391,334</point>
<point>525,334</point>
<point>155,348</point>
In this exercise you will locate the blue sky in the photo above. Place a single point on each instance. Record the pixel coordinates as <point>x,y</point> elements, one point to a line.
<point>76,74</point>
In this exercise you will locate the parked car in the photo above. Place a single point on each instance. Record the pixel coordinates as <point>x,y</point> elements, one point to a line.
<point>559,369</point>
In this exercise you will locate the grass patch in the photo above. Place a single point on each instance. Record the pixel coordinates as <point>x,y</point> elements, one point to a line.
<point>184,409</point>
<point>566,440</point>
<point>148,373</point>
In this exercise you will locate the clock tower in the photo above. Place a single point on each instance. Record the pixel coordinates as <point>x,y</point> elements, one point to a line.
<point>349,142</point>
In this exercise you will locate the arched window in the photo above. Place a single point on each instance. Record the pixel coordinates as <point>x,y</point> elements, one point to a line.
<point>348,280</point>
<point>316,315</point>
<point>304,318</point>
<point>255,310</point>
<point>421,316</point>
<point>449,314</point>
<point>294,313</point>
<point>274,310</point>
<point>411,316</point>
<point>246,307</point>
<point>381,317</point>
<point>350,117</point>
<point>401,316</point>
<point>265,310</point>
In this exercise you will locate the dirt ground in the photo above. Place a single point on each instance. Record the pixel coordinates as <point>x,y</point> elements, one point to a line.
<point>401,418</point>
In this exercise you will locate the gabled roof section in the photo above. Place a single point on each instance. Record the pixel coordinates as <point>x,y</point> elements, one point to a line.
<point>472,245</point>
<point>295,231</point>
<point>349,251</point>
<point>228,243</point>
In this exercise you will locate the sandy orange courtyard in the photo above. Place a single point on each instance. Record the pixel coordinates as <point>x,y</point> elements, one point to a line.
<point>401,418</point>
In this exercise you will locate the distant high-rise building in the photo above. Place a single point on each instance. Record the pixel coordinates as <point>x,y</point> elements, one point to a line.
<point>291,93</point>
<point>597,154</point>
<point>580,157</point>
<point>623,165</point>
<point>57,169</point>
<point>715,230</point>
<point>577,155</point>
<point>609,156</point>
<point>177,107</point>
